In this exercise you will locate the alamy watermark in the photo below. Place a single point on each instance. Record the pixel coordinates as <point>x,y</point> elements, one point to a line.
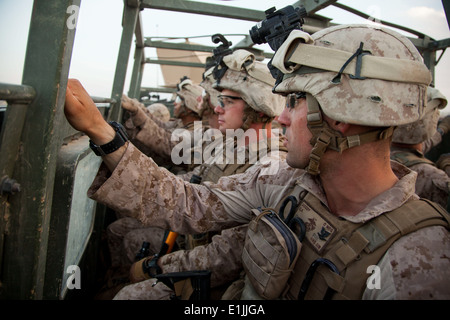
<point>71,22</point>
<point>374,280</point>
<point>74,280</point>
<point>212,147</point>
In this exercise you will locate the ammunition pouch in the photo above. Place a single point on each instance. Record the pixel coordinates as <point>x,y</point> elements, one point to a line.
<point>270,252</point>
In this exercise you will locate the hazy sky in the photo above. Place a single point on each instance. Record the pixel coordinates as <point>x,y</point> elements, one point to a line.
<point>99,31</point>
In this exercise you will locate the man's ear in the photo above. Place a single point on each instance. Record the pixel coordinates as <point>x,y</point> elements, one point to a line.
<point>340,126</point>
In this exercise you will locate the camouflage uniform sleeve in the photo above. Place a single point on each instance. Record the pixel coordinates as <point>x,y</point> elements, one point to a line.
<point>262,185</point>
<point>223,253</point>
<point>171,124</point>
<point>130,128</point>
<point>416,267</point>
<point>157,121</point>
<point>432,183</point>
<point>433,141</point>
<point>443,163</point>
<point>148,133</point>
<point>140,189</point>
<point>188,175</point>
<point>168,125</point>
<point>156,138</point>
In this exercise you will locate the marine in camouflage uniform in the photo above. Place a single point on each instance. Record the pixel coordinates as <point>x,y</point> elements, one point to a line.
<point>407,148</point>
<point>210,100</point>
<point>443,162</point>
<point>160,111</point>
<point>123,243</point>
<point>251,118</point>
<point>442,129</point>
<point>347,189</point>
<point>157,138</point>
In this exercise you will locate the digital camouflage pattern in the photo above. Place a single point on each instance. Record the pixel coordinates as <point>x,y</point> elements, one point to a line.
<point>140,291</point>
<point>120,240</point>
<point>211,98</point>
<point>419,131</point>
<point>432,183</point>
<point>160,111</point>
<point>407,266</point>
<point>257,77</point>
<point>435,140</point>
<point>138,116</point>
<point>252,80</point>
<point>140,189</point>
<point>370,102</point>
<point>425,128</point>
<point>125,236</point>
<point>443,163</point>
<point>157,138</point>
<point>223,253</point>
<point>191,95</point>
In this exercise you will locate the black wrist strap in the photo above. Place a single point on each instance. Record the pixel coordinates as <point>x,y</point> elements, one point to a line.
<point>150,266</point>
<point>119,140</point>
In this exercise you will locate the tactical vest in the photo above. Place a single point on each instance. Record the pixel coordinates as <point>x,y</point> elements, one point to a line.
<point>213,172</point>
<point>410,158</point>
<point>336,253</point>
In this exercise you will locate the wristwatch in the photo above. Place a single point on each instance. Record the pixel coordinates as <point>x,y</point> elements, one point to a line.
<point>119,140</point>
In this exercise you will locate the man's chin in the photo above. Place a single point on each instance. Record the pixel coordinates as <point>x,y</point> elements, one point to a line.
<point>294,162</point>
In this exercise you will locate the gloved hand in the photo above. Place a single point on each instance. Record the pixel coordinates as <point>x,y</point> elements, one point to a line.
<point>444,125</point>
<point>144,269</point>
<point>130,105</point>
<point>137,273</point>
<point>138,115</point>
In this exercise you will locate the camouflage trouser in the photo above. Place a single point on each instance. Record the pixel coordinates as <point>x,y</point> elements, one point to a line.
<point>152,290</point>
<point>125,237</point>
<point>222,256</point>
<point>145,290</point>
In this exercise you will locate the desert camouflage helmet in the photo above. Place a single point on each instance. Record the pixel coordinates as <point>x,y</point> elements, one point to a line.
<point>190,93</point>
<point>160,111</point>
<point>424,128</point>
<point>252,80</point>
<point>358,74</point>
<point>207,84</point>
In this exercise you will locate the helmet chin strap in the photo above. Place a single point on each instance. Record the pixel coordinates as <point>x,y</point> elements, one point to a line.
<point>324,137</point>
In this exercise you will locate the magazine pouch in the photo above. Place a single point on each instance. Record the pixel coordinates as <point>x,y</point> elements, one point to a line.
<point>270,252</point>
